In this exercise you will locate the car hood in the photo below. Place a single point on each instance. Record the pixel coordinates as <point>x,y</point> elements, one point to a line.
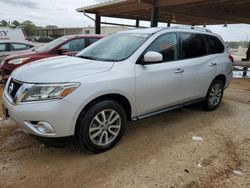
<point>59,69</point>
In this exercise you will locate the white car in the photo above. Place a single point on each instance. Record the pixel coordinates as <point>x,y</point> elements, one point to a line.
<point>12,48</point>
<point>12,34</point>
<point>126,76</point>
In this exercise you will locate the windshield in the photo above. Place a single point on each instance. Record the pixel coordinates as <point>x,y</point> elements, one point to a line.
<point>51,44</point>
<point>115,47</point>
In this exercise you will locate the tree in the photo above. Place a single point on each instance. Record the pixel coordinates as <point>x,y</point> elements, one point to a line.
<point>28,27</point>
<point>237,44</point>
<point>16,23</point>
<point>4,23</point>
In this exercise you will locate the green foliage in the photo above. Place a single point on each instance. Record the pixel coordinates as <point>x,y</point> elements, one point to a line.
<point>16,23</point>
<point>28,27</point>
<point>4,23</point>
<point>237,44</point>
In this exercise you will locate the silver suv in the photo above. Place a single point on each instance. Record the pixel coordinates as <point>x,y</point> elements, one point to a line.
<point>124,77</point>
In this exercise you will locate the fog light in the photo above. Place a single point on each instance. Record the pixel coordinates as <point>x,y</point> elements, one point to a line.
<point>45,127</point>
<point>41,127</point>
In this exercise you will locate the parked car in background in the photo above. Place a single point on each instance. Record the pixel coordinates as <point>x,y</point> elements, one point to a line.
<point>129,75</point>
<point>11,48</point>
<point>66,45</point>
<point>33,38</point>
<point>44,39</point>
<point>41,39</point>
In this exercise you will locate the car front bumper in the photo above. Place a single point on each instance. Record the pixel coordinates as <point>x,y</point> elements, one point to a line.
<point>57,116</point>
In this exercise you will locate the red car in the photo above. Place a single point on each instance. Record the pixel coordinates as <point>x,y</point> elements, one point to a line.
<point>66,45</point>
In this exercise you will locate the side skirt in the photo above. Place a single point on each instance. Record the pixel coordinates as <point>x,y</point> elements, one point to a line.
<point>147,115</point>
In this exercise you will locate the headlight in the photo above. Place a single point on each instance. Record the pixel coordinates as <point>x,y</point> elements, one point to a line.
<point>39,92</point>
<point>18,61</point>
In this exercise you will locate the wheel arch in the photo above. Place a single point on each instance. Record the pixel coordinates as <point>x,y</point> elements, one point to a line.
<point>222,78</point>
<point>121,99</point>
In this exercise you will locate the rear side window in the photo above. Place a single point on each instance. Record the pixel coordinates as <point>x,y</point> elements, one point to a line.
<point>193,45</point>
<point>17,46</point>
<point>215,46</point>
<point>3,48</point>
<point>92,40</point>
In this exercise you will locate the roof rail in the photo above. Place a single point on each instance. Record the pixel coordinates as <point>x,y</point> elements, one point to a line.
<point>194,28</point>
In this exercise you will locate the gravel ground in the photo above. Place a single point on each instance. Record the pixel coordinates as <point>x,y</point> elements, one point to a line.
<point>156,152</point>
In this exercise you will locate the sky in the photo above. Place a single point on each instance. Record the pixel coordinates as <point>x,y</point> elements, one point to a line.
<point>63,14</point>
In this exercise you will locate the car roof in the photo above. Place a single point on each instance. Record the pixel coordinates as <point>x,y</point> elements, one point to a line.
<point>84,35</point>
<point>154,30</point>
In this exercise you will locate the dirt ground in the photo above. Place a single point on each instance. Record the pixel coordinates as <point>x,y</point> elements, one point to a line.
<point>156,152</point>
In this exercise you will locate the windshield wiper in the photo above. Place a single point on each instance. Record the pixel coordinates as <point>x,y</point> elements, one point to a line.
<point>86,57</point>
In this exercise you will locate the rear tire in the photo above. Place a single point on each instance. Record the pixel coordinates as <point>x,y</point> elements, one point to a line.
<point>102,126</point>
<point>214,95</point>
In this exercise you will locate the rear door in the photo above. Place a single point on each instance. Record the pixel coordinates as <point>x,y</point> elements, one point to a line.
<point>198,65</point>
<point>14,48</point>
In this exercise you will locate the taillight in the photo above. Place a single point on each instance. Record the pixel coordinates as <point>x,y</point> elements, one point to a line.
<point>231,58</point>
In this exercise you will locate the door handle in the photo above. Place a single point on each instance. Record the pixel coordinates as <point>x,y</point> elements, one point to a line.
<point>212,64</point>
<point>178,71</point>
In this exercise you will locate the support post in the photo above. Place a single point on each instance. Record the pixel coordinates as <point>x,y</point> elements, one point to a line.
<point>245,69</point>
<point>169,23</point>
<point>154,14</point>
<point>97,24</point>
<point>137,22</point>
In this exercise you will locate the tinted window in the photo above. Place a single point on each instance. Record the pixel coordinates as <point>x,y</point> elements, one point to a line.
<point>92,40</point>
<point>166,45</point>
<point>215,45</point>
<point>75,45</point>
<point>52,44</point>
<point>18,46</point>
<point>2,47</point>
<point>193,45</point>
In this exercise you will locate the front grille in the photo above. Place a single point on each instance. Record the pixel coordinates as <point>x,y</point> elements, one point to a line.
<point>13,87</point>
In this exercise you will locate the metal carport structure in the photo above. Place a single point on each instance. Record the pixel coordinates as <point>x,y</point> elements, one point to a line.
<point>190,12</point>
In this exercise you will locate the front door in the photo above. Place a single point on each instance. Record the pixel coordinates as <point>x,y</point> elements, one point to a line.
<point>159,85</point>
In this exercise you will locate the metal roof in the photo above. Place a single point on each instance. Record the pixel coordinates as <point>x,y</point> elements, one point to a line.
<point>144,30</point>
<point>197,12</point>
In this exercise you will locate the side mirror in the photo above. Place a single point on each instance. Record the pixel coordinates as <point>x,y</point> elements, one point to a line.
<point>61,51</point>
<point>152,57</point>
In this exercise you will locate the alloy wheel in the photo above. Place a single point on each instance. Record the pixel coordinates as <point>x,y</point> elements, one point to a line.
<point>105,127</point>
<point>215,94</point>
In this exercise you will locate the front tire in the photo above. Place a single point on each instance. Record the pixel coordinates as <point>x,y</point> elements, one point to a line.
<point>102,126</point>
<point>214,95</point>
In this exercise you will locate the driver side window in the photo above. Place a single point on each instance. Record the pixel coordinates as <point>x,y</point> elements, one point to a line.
<point>75,45</point>
<point>167,45</point>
